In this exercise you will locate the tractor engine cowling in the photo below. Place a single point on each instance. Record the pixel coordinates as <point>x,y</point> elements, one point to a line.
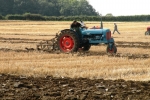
<point>96,36</point>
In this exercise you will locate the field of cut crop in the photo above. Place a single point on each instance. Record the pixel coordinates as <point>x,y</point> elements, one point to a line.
<point>28,74</point>
<point>131,62</point>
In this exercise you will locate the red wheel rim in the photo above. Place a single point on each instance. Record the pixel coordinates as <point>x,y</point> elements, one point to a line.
<point>111,51</point>
<point>66,43</point>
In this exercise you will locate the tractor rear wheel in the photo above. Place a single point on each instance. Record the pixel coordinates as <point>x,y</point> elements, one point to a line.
<point>68,41</point>
<point>111,50</point>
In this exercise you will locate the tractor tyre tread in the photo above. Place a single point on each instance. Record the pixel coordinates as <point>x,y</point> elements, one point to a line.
<point>71,34</point>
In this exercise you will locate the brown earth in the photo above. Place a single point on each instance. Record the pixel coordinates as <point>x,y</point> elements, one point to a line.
<point>51,88</point>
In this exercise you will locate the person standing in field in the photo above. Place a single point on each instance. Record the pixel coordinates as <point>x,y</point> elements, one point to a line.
<point>115,28</point>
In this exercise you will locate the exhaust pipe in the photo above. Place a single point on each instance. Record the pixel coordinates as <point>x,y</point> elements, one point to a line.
<point>101,23</point>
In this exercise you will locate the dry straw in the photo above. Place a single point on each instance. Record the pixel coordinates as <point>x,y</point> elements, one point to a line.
<point>96,64</point>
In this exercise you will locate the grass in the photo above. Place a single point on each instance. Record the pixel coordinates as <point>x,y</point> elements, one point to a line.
<point>95,66</point>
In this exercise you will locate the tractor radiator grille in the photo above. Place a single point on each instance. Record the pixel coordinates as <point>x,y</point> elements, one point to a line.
<point>108,35</point>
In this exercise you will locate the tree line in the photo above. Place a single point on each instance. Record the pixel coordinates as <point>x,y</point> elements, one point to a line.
<point>57,10</point>
<point>38,17</point>
<point>47,7</point>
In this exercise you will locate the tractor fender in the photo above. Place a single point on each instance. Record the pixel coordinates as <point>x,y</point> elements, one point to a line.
<point>66,30</point>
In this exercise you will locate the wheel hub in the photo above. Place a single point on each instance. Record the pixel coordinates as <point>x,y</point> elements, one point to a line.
<point>111,50</point>
<point>67,43</point>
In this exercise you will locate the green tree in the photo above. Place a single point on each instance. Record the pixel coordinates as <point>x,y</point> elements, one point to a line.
<point>6,7</point>
<point>47,7</point>
<point>23,6</point>
<point>109,15</point>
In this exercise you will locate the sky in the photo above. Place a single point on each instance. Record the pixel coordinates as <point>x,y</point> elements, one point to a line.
<point>121,7</point>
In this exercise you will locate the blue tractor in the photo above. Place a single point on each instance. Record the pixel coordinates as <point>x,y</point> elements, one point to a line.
<point>78,36</point>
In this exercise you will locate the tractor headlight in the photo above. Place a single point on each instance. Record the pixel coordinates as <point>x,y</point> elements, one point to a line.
<point>102,37</point>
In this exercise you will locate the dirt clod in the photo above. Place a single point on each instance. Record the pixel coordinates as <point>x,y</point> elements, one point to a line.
<point>50,88</point>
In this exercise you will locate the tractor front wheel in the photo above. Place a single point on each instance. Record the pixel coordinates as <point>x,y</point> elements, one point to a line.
<point>111,49</point>
<point>68,41</point>
<point>86,47</point>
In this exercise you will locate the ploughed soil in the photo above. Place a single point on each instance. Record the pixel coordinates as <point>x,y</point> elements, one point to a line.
<point>14,87</point>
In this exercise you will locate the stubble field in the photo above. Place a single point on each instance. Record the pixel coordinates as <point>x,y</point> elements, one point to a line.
<point>131,62</point>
